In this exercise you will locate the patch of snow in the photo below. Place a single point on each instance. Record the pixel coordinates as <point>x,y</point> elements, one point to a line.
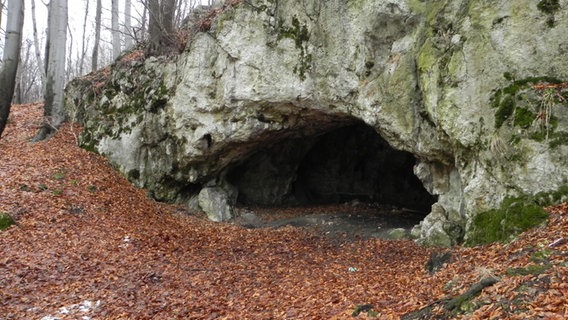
<point>85,306</point>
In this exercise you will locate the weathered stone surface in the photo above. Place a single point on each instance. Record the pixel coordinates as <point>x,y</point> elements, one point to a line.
<point>450,82</point>
<point>439,228</point>
<point>398,234</point>
<point>217,203</point>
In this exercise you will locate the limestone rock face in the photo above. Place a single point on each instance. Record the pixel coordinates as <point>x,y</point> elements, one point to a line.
<point>451,83</point>
<point>217,203</point>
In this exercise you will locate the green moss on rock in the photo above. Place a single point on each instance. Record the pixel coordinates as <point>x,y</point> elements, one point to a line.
<point>427,57</point>
<point>518,105</point>
<point>558,139</point>
<point>122,101</point>
<point>534,269</point>
<point>6,221</point>
<point>524,118</point>
<point>301,35</point>
<point>548,6</point>
<point>513,217</point>
<point>542,256</point>
<point>505,108</point>
<point>552,197</point>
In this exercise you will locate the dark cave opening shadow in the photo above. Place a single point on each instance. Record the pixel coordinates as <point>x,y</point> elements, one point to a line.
<point>348,164</point>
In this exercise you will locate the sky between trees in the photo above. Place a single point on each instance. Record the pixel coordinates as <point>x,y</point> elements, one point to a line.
<point>81,26</point>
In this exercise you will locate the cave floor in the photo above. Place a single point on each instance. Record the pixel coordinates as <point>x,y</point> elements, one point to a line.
<point>350,221</point>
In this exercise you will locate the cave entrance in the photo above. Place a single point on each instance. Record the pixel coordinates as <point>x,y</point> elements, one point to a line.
<point>351,166</point>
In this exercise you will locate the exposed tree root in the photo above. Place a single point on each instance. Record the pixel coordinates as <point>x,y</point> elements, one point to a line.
<point>451,305</point>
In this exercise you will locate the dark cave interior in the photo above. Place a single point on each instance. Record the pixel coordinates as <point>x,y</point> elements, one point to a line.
<point>352,162</point>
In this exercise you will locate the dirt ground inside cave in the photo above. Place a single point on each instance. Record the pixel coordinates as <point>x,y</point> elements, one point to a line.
<point>348,221</point>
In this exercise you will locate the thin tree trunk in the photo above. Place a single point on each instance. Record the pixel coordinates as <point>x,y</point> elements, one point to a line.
<point>17,98</point>
<point>54,114</point>
<point>40,65</point>
<point>20,77</point>
<point>69,63</point>
<point>181,12</point>
<point>144,19</point>
<point>115,30</point>
<point>168,17</point>
<point>1,10</point>
<point>83,44</point>
<point>95,56</point>
<point>12,45</point>
<point>128,37</point>
<point>28,72</point>
<point>154,25</point>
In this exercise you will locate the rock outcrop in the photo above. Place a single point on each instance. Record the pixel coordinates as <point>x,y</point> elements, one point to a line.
<point>469,92</point>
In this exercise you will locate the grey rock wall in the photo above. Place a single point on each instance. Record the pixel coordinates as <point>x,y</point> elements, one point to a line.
<point>451,82</point>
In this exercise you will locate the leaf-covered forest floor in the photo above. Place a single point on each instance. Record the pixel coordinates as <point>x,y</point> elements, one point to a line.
<point>89,245</point>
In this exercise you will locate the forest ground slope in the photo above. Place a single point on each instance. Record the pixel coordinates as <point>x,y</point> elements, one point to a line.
<point>89,244</point>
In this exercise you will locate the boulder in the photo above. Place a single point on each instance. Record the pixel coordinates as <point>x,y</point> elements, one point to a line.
<point>216,203</point>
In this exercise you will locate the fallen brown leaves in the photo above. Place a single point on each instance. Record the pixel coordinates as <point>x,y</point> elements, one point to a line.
<point>543,86</point>
<point>89,244</point>
<point>204,24</point>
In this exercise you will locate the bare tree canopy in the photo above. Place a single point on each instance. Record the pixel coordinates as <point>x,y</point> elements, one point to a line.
<point>11,57</point>
<point>90,40</point>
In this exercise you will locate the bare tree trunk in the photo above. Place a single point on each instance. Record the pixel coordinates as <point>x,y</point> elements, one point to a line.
<point>83,44</point>
<point>29,72</point>
<point>168,17</point>
<point>184,8</point>
<point>115,30</point>
<point>95,56</point>
<point>161,26</point>
<point>154,31</point>
<point>69,63</point>
<point>1,10</point>
<point>128,36</point>
<point>36,45</point>
<point>11,57</point>
<point>20,77</point>
<point>144,21</point>
<point>17,97</point>
<point>180,14</point>
<point>54,114</point>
